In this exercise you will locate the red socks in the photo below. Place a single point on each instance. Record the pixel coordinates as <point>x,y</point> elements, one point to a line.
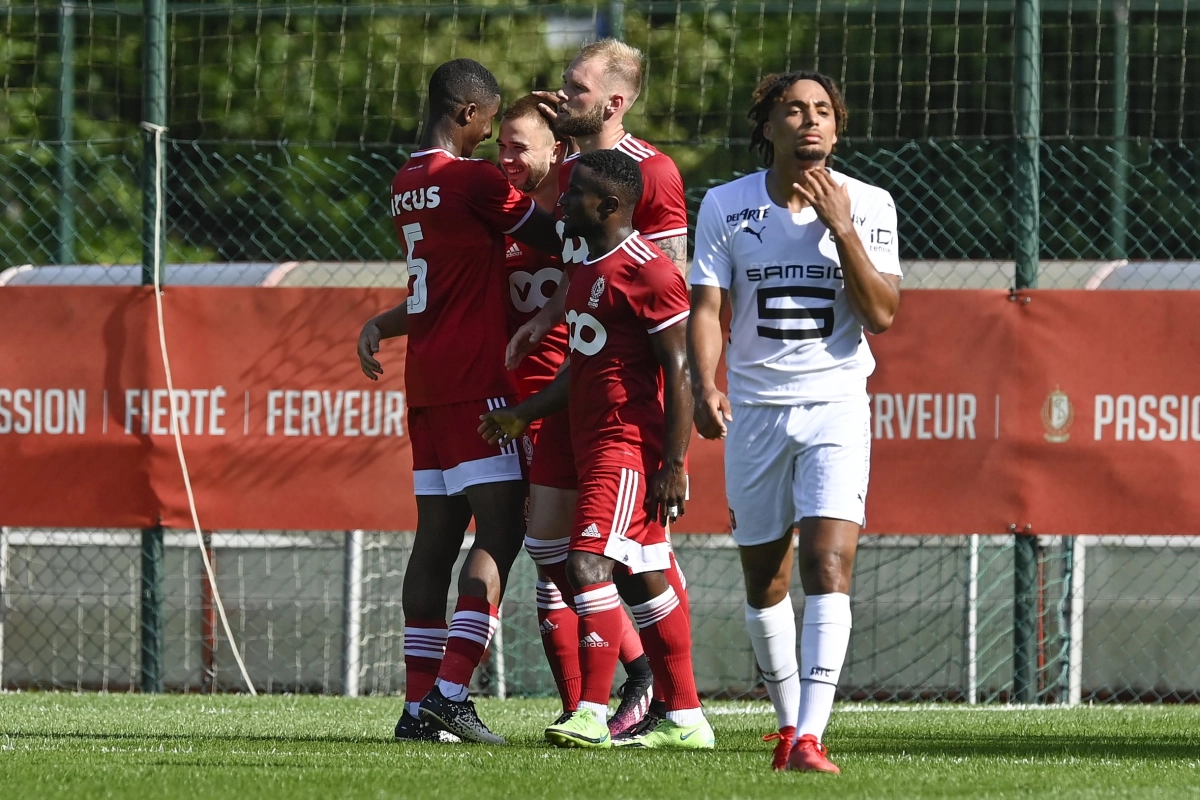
<point>667,634</point>
<point>424,646</point>
<point>471,629</point>
<point>600,622</point>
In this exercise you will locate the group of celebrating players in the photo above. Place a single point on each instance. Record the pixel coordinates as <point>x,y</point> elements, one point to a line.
<point>556,364</point>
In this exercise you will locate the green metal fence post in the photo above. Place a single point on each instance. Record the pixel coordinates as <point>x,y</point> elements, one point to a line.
<point>616,19</point>
<point>66,133</point>
<point>1120,153</point>
<point>1026,194</point>
<point>154,112</point>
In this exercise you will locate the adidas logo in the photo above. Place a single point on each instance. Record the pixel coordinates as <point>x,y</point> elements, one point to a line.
<point>513,251</point>
<point>591,532</point>
<point>547,627</point>
<point>593,639</point>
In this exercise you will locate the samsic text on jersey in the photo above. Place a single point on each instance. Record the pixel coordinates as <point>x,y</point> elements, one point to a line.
<point>452,215</point>
<point>793,338</point>
<point>614,305</point>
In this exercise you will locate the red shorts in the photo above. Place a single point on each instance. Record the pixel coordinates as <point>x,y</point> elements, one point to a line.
<point>449,454</point>
<point>613,518</point>
<point>553,457</point>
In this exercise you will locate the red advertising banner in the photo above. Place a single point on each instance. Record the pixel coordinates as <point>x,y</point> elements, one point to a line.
<point>1052,412</point>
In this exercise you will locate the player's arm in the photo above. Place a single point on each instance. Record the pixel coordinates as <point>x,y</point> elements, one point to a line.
<point>705,340</point>
<point>661,217</point>
<point>676,249</point>
<point>874,296</point>
<point>387,325</point>
<point>530,335</point>
<point>669,486</point>
<point>502,425</point>
<point>712,273</point>
<point>539,231</point>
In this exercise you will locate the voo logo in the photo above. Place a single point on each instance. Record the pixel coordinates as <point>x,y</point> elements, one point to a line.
<point>587,334</point>
<point>531,292</point>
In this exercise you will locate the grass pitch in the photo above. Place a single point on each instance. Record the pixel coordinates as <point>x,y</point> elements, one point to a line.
<point>239,748</point>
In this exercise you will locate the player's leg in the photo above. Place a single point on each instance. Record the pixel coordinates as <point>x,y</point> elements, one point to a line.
<point>758,483</point>
<point>550,512</point>
<point>441,523</point>
<point>493,484</point>
<point>613,521</point>
<point>553,495</point>
<point>598,635</point>
<point>830,493</point>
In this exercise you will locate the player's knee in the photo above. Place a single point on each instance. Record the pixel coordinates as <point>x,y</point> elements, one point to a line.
<point>585,569</point>
<point>827,572</point>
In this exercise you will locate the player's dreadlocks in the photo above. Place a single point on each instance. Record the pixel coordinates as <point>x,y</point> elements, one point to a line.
<point>456,83</point>
<point>769,92</point>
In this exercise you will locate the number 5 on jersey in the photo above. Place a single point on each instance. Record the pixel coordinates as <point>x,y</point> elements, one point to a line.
<point>418,269</point>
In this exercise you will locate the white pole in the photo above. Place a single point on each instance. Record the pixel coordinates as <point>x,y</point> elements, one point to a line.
<point>1075,655</point>
<point>973,619</point>
<point>498,659</point>
<point>352,644</point>
<point>3,595</point>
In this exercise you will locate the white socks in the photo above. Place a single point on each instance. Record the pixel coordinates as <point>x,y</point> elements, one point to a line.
<point>452,691</point>
<point>773,634</point>
<point>823,643</point>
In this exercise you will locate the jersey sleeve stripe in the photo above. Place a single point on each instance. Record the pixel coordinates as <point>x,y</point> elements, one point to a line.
<point>638,147</point>
<point>651,237</point>
<point>633,253</point>
<point>680,317</point>
<point>637,247</point>
<point>524,219</point>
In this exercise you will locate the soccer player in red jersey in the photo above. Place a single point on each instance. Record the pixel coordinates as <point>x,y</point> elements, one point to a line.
<point>452,213</point>
<point>530,156</point>
<point>630,425</point>
<point>599,87</point>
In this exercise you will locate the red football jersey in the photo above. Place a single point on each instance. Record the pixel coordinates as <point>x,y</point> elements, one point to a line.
<point>452,215</point>
<point>662,211</point>
<point>533,277</point>
<point>614,304</point>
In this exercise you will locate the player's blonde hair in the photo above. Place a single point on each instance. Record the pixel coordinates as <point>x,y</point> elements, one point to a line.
<point>620,61</point>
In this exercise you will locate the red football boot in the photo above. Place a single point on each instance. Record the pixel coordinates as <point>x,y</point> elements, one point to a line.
<point>784,738</point>
<point>809,755</point>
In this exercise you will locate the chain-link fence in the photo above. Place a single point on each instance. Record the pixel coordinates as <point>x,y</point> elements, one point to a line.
<point>286,122</point>
<point>313,612</point>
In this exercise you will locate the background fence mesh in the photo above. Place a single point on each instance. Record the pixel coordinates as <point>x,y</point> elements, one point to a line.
<point>286,123</point>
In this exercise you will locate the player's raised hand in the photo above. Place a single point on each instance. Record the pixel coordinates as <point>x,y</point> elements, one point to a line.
<point>522,343</point>
<point>711,411</point>
<point>368,346</point>
<point>501,426</point>
<point>548,105</point>
<point>830,200</point>
<point>668,488</point>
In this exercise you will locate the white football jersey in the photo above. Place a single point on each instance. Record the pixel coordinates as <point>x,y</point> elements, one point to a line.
<point>793,338</point>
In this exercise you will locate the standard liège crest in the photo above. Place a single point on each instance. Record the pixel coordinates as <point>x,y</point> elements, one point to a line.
<point>597,290</point>
<point>1057,416</point>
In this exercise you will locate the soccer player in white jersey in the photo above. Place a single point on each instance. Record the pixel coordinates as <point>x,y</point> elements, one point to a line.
<point>807,259</point>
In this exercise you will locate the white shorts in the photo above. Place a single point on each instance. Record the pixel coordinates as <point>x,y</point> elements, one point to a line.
<point>786,463</point>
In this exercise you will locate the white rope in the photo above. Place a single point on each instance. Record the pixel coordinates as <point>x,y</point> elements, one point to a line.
<point>158,131</point>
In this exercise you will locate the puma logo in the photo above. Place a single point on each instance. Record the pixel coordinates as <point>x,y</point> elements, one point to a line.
<point>757,234</point>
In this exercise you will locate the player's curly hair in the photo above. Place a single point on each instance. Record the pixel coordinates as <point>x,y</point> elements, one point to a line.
<point>616,172</point>
<point>769,92</point>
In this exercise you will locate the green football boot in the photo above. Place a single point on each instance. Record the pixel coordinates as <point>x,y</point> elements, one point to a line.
<point>580,729</point>
<point>668,735</point>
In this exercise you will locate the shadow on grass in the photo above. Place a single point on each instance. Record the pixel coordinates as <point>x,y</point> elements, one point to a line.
<point>1172,747</point>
